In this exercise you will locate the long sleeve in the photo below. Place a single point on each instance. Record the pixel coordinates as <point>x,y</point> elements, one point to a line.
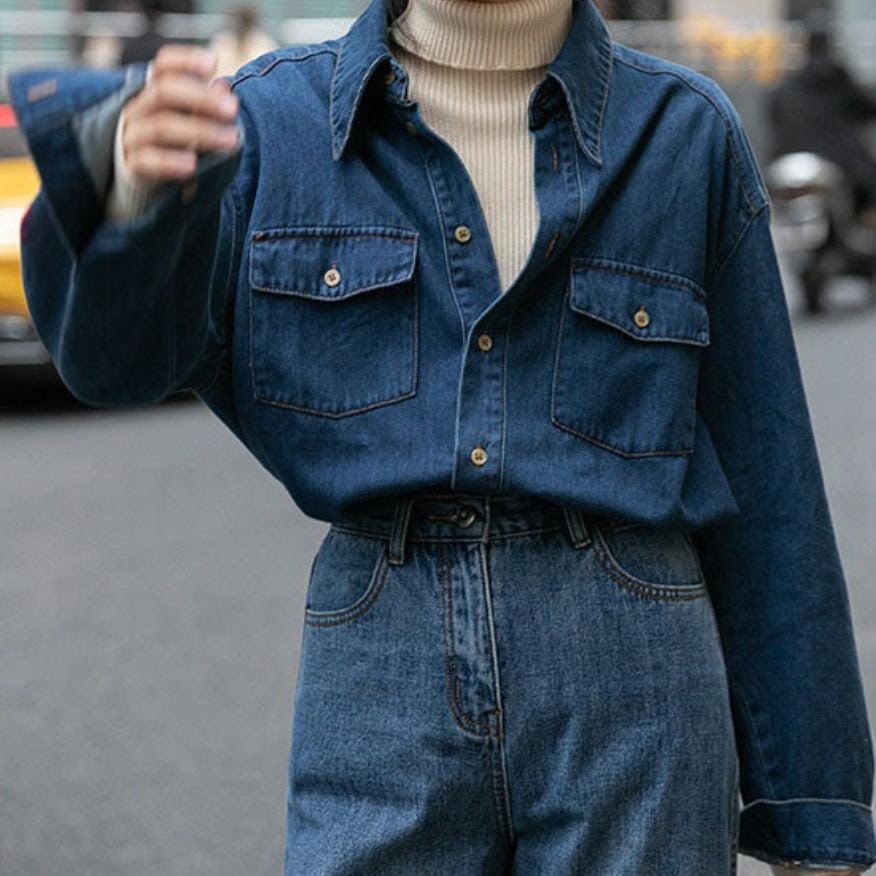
<point>130,311</point>
<point>776,578</point>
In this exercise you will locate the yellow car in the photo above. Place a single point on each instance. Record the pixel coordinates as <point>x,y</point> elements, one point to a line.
<point>20,348</point>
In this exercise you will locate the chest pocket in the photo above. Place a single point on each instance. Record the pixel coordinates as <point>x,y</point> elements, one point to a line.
<point>627,358</point>
<point>333,317</point>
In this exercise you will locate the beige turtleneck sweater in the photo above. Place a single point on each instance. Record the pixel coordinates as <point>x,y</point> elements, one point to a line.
<point>471,67</point>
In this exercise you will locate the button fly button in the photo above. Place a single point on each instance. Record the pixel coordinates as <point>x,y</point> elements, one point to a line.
<point>332,277</point>
<point>462,233</point>
<point>485,343</point>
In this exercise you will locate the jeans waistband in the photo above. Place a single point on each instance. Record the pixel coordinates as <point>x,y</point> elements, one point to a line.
<point>458,516</point>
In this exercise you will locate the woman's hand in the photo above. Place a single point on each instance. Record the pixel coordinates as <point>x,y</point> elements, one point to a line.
<point>180,111</point>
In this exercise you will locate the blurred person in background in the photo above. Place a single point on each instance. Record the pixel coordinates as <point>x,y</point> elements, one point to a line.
<point>820,108</point>
<point>497,298</point>
<point>241,43</point>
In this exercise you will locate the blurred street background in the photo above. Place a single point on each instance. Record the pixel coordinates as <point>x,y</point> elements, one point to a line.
<point>152,575</point>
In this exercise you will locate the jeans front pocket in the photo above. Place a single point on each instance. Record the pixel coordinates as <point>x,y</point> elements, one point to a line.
<point>333,317</point>
<point>653,562</point>
<point>347,576</point>
<point>627,358</point>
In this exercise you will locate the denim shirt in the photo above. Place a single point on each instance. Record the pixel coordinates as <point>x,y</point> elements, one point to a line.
<point>330,291</point>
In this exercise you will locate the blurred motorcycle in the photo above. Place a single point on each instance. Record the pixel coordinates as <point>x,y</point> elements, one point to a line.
<point>816,224</point>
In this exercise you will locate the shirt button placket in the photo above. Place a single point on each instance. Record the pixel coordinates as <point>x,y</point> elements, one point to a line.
<point>482,410</point>
<point>474,284</point>
<point>482,405</point>
<point>479,456</point>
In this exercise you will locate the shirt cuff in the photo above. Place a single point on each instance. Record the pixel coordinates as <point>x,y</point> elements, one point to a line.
<point>813,870</point>
<point>803,831</point>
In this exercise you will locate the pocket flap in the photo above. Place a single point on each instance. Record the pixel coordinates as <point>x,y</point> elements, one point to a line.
<point>330,262</point>
<point>674,308</point>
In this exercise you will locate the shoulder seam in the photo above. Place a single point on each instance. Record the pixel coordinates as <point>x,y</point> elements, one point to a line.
<point>279,60</point>
<point>681,77</point>
<point>721,267</point>
<point>753,207</point>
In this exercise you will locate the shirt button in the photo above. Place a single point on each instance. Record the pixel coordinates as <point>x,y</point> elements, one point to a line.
<point>462,233</point>
<point>389,78</point>
<point>332,277</point>
<point>641,317</point>
<point>479,455</point>
<point>485,343</point>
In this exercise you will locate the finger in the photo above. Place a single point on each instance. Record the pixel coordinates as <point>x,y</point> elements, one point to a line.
<point>178,130</point>
<point>155,163</point>
<point>182,59</point>
<point>220,85</point>
<point>179,93</point>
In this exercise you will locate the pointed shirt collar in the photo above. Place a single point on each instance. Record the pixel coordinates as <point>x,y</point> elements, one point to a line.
<point>582,69</point>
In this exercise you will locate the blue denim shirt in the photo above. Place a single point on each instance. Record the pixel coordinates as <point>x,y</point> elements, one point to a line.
<point>315,290</point>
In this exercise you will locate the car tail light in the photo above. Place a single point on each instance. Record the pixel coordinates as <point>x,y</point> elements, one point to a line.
<point>7,116</point>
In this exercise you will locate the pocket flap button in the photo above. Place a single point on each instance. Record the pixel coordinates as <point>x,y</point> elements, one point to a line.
<point>641,317</point>
<point>332,277</point>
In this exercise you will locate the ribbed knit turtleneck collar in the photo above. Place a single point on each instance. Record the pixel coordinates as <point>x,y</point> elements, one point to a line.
<point>509,35</point>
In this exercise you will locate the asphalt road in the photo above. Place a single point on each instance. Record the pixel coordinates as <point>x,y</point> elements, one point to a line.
<point>151,591</point>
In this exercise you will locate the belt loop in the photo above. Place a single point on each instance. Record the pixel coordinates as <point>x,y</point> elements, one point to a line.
<point>398,535</point>
<point>578,532</point>
<point>485,533</point>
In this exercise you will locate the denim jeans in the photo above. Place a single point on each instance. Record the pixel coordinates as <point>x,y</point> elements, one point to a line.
<point>504,685</point>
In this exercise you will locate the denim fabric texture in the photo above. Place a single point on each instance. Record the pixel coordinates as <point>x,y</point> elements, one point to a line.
<point>463,706</point>
<point>330,291</point>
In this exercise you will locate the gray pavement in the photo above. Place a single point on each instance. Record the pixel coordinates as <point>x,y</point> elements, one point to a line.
<point>151,590</point>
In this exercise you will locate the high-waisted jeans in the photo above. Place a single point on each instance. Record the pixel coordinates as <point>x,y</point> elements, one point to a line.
<point>503,685</point>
